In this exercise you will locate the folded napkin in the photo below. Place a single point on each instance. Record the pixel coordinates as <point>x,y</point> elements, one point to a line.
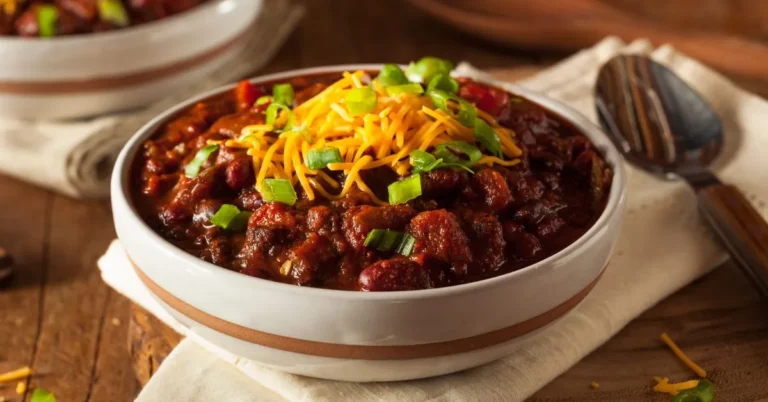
<point>76,157</point>
<point>662,247</point>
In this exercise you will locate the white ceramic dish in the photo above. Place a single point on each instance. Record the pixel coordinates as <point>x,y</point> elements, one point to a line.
<point>85,75</point>
<point>357,336</point>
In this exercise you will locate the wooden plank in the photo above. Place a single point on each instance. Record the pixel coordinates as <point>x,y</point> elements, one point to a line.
<point>22,234</point>
<point>74,302</point>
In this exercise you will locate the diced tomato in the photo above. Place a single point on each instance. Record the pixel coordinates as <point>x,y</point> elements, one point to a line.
<point>487,99</point>
<point>246,94</point>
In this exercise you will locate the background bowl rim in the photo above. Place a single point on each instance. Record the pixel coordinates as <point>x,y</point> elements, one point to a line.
<point>120,195</point>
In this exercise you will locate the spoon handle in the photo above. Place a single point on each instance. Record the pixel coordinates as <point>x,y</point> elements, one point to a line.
<point>741,229</point>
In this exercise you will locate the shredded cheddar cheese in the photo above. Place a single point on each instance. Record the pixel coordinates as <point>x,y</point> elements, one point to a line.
<point>663,385</point>
<point>682,356</point>
<point>14,375</point>
<point>383,137</point>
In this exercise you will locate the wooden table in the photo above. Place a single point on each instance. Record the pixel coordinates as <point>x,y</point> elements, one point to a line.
<point>58,316</point>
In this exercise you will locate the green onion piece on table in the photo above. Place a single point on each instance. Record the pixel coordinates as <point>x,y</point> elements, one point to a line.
<point>230,217</point>
<point>278,190</point>
<point>391,74</point>
<point>193,167</point>
<point>467,113</point>
<point>704,392</point>
<point>47,18</point>
<point>112,11</point>
<point>390,240</point>
<point>41,395</point>
<point>360,101</point>
<point>487,136</point>
<point>443,82</point>
<point>320,158</point>
<point>405,190</point>
<point>411,88</point>
<point>423,70</point>
<point>283,93</point>
<point>263,100</point>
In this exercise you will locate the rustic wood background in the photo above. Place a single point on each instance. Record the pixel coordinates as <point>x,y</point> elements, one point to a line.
<point>58,316</point>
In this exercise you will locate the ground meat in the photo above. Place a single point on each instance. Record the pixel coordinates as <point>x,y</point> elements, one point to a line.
<point>443,182</point>
<point>521,244</point>
<point>249,199</point>
<point>231,125</point>
<point>493,188</point>
<point>394,274</point>
<point>359,220</point>
<point>439,234</point>
<point>309,257</point>
<point>272,215</point>
<point>486,240</point>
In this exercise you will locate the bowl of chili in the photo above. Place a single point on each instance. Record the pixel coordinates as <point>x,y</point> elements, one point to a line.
<point>369,222</point>
<point>74,59</point>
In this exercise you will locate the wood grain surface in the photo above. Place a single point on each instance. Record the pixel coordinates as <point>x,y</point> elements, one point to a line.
<point>59,317</point>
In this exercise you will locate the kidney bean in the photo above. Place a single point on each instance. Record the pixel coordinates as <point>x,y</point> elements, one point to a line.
<point>239,173</point>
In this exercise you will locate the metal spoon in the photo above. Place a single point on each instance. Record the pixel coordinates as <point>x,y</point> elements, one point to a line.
<point>663,126</point>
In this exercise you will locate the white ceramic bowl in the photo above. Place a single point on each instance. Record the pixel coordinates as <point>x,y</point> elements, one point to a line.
<point>84,75</point>
<point>358,336</point>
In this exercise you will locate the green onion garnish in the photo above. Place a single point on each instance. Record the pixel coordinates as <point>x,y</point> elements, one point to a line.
<point>112,11</point>
<point>467,112</point>
<point>391,74</point>
<point>704,392</point>
<point>360,101</point>
<point>423,161</point>
<point>423,70</point>
<point>47,17</point>
<point>278,190</point>
<point>405,190</point>
<point>193,167</point>
<point>283,93</point>
<point>41,395</point>
<point>443,82</point>
<point>231,218</point>
<point>470,150</point>
<point>390,240</point>
<point>263,99</point>
<point>320,158</point>
<point>487,137</point>
<point>273,110</point>
<point>411,88</point>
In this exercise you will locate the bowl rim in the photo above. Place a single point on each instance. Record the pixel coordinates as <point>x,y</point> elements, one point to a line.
<point>120,195</point>
<point>128,33</point>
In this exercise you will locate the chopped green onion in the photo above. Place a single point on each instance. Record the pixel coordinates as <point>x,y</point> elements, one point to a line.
<point>193,167</point>
<point>704,392</point>
<point>488,137</point>
<point>112,11</point>
<point>47,17</point>
<point>320,158</point>
<point>391,74</point>
<point>467,112</point>
<point>360,101</point>
<point>405,190</point>
<point>470,150</point>
<point>423,70</point>
<point>230,217</point>
<point>273,111</point>
<point>443,82</point>
<point>390,240</point>
<point>423,162</point>
<point>283,93</point>
<point>411,88</point>
<point>406,245</point>
<point>278,190</point>
<point>263,99</point>
<point>41,395</point>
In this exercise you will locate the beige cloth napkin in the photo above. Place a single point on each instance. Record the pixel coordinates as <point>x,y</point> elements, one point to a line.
<point>76,157</point>
<point>663,247</point>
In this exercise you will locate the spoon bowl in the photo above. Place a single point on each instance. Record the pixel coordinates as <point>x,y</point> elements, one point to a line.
<point>663,126</point>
